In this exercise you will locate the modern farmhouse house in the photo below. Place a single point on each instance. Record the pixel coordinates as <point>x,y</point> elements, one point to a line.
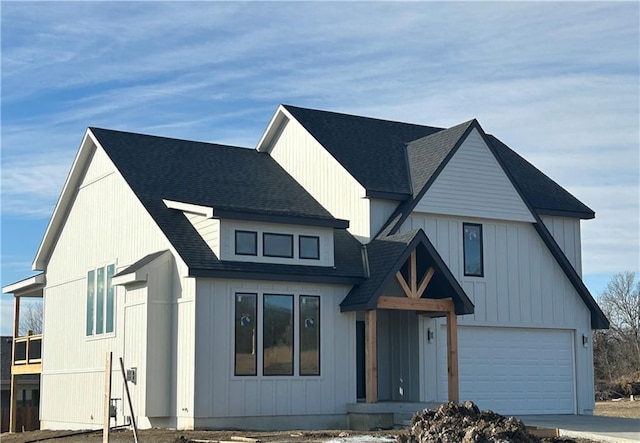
<point>343,266</point>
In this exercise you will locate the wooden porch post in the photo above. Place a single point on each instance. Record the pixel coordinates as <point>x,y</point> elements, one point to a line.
<point>452,356</point>
<point>371,357</point>
<point>16,329</point>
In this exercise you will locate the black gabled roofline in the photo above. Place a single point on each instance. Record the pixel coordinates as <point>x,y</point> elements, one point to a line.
<point>598,319</point>
<point>407,211</point>
<point>463,304</point>
<point>284,219</point>
<point>272,276</point>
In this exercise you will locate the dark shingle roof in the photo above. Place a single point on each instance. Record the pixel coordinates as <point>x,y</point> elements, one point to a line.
<point>542,193</point>
<point>230,179</point>
<point>372,150</point>
<point>376,152</point>
<point>386,257</point>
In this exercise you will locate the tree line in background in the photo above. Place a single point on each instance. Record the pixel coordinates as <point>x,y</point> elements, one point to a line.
<point>616,351</point>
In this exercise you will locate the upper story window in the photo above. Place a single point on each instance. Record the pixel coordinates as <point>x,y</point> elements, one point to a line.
<point>246,243</point>
<point>309,247</point>
<point>472,246</point>
<point>277,245</point>
<point>100,301</point>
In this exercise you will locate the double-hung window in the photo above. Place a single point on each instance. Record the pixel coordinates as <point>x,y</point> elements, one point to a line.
<point>100,301</point>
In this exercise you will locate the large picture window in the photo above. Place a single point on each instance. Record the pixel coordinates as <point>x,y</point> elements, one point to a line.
<point>272,331</point>
<point>472,246</point>
<point>100,301</point>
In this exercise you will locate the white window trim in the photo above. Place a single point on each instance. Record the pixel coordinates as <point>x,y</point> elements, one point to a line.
<point>103,335</point>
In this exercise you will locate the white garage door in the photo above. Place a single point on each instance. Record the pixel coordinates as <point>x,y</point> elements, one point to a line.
<point>513,370</point>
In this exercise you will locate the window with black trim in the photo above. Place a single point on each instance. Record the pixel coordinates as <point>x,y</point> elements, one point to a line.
<point>309,335</point>
<point>309,247</point>
<point>267,339</point>
<point>246,322</point>
<point>100,301</point>
<point>277,245</point>
<point>472,249</point>
<point>246,243</point>
<point>277,336</point>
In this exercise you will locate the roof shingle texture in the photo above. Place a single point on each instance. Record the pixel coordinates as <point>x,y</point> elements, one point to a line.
<point>218,176</point>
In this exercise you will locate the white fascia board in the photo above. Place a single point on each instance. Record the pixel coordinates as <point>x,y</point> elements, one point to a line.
<point>275,127</point>
<point>31,284</point>
<point>66,196</point>
<point>189,207</point>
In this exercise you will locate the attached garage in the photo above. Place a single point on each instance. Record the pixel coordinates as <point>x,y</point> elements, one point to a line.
<point>513,370</point>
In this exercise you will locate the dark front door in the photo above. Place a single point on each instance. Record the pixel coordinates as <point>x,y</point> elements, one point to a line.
<point>360,366</point>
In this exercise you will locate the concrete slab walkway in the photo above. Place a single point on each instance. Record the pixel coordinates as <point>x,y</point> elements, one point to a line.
<point>593,427</point>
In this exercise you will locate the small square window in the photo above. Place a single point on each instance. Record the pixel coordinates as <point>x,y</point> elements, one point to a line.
<point>277,245</point>
<point>309,247</point>
<point>472,246</point>
<point>246,243</point>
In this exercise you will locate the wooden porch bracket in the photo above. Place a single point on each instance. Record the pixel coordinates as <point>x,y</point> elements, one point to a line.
<point>412,289</point>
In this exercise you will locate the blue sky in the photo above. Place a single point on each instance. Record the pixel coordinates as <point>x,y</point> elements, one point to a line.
<point>558,82</point>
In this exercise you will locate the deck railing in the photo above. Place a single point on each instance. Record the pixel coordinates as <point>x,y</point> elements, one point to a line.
<point>27,349</point>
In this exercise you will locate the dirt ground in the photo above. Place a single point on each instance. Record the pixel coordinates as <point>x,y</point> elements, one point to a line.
<point>623,408</point>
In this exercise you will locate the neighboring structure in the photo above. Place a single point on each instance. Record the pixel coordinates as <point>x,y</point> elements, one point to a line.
<point>344,258</point>
<point>27,391</point>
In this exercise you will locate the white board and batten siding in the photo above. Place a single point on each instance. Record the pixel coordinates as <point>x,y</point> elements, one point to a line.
<point>474,184</point>
<point>106,211</point>
<point>208,228</point>
<point>224,399</point>
<point>227,242</point>
<point>566,232</point>
<point>321,175</point>
<point>523,287</point>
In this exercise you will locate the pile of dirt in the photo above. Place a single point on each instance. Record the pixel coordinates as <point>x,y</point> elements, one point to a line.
<point>466,423</point>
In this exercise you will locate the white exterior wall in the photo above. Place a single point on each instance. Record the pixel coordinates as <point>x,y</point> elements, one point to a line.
<point>222,395</point>
<point>523,286</point>
<point>106,224</point>
<point>566,232</point>
<point>381,211</point>
<point>323,177</point>
<point>474,184</point>
<point>227,247</point>
<point>208,228</point>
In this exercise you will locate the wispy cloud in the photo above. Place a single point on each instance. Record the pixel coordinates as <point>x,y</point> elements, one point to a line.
<point>556,81</point>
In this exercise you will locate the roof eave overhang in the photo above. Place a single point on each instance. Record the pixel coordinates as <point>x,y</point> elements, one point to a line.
<point>29,287</point>
<point>61,209</point>
<point>274,129</point>
<point>279,218</point>
<point>563,213</point>
<point>273,276</point>
<point>385,195</point>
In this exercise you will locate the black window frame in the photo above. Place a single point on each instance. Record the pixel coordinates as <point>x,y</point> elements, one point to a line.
<point>276,234</point>
<point>265,325</point>
<point>464,254</point>
<point>300,333</point>
<point>317,239</point>
<point>255,242</point>
<point>254,336</point>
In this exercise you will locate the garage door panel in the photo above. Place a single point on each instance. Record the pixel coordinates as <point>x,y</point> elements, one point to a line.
<point>513,370</point>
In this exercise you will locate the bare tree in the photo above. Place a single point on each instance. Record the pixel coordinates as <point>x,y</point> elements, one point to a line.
<point>31,313</point>
<point>617,350</point>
